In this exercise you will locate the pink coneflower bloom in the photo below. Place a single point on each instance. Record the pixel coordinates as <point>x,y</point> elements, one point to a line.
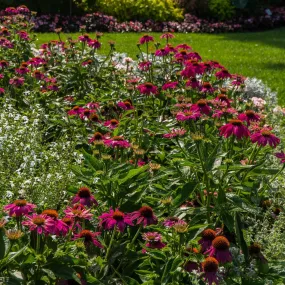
<point>141,162</point>
<point>36,61</point>
<point>4,32</point>
<point>112,124</point>
<point>53,87</point>
<point>208,236</point>
<point>264,137</point>
<point>76,111</point>
<point>115,218</point>
<point>249,116</point>
<point>69,222</point>
<point>169,85</point>
<point>85,38</point>
<point>144,216</point>
<point>161,52</point>
<point>84,197</point>
<point>94,44</point>
<point>195,55</point>
<point>39,223</point>
<point>175,133</point>
<point>117,141</point>
<point>23,35</point>
<point>198,67</point>
<point>170,222</point>
<point>86,114</point>
<point>207,88</point>
<point>146,39</point>
<point>224,99</point>
<point>1,76</point>
<point>89,238</point>
<point>281,156</point>
<point>222,74</point>
<point>170,48</point>
<point>235,128</point>
<point>22,70</point>
<point>127,105</point>
<point>4,64</point>
<point>224,112</point>
<point>210,267</point>
<point>144,65</point>
<point>188,72</point>
<point>201,106</point>
<point>182,55</point>
<point>184,46</point>
<point>238,80</point>
<point>17,81</point>
<point>187,115</point>
<point>147,88</point>
<point>59,226</point>
<point>78,212</point>
<point>215,64</point>
<point>93,105</point>
<point>220,249</point>
<point>193,83</point>
<point>190,266</point>
<point>2,90</point>
<point>19,208</point>
<point>97,138</point>
<point>88,62</point>
<point>38,75</point>
<point>153,240</point>
<point>167,36</point>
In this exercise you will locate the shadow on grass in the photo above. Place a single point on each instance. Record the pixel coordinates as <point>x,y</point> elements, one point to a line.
<point>274,38</point>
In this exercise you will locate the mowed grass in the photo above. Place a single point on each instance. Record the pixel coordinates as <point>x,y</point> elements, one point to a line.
<point>259,54</point>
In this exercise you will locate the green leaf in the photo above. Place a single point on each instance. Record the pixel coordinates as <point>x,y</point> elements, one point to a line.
<point>92,161</point>
<point>182,194</point>
<point>2,244</point>
<point>132,173</point>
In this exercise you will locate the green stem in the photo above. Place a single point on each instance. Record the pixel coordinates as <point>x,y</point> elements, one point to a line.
<point>110,244</point>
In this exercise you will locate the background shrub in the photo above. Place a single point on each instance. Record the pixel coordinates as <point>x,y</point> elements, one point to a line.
<point>142,10</point>
<point>221,9</point>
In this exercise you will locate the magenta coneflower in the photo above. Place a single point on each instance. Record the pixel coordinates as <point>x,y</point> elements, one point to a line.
<point>86,113</point>
<point>169,85</point>
<point>207,88</point>
<point>167,36</point>
<point>93,105</point>
<point>115,218</point>
<point>4,64</point>
<point>265,137</point>
<point>126,105</point>
<point>147,88</point>
<point>94,44</point>
<point>76,111</point>
<point>223,74</point>
<point>195,55</point>
<point>249,116</point>
<point>2,90</point>
<point>161,52</point>
<point>117,141</point>
<point>84,38</point>
<point>144,65</point>
<point>220,249</point>
<point>170,222</point>
<point>38,75</point>
<point>189,265</point>
<point>19,208</point>
<point>183,46</point>
<point>153,240</point>
<point>23,35</point>
<point>175,133</point>
<point>193,83</point>
<point>84,197</point>
<point>188,72</point>
<point>198,67</point>
<point>22,70</point>
<point>78,212</point>
<point>208,236</point>
<point>112,124</point>
<point>281,156</point>
<point>89,238</point>
<point>201,106</point>
<point>235,128</point>
<point>224,112</point>
<point>146,39</point>
<point>17,81</point>
<point>238,80</point>
<point>144,216</point>
<point>97,138</point>
<point>210,268</point>
<point>223,99</point>
<point>39,223</point>
<point>53,87</point>
<point>187,115</point>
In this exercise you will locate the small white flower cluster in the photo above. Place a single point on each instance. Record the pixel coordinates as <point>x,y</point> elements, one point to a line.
<point>29,166</point>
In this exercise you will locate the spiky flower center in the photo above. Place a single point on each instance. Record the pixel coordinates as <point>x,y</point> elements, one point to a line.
<point>250,113</point>
<point>236,122</point>
<point>202,103</point>
<point>118,215</point>
<point>94,117</point>
<point>20,203</point>
<point>222,97</point>
<point>208,234</point>
<point>98,136</point>
<point>51,213</point>
<point>86,112</point>
<point>146,211</point>
<point>254,248</point>
<point>87,235</point>
<point>39,221</point>
<point>148,85</point>
<point>207,85</point>
<point>114,122</point>
<point>118,138</point>
<point>266,133</point>
<point>67,221</point>
<point>221,243</point>
<point>210,264</point>
<point>183,52</point>
<point>127,104</point>
<point>84,192</point>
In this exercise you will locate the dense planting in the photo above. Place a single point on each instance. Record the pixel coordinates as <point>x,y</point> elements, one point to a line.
<point>176,166</point>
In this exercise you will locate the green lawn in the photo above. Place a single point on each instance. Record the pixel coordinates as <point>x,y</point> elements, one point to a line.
<point>260,55</point>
